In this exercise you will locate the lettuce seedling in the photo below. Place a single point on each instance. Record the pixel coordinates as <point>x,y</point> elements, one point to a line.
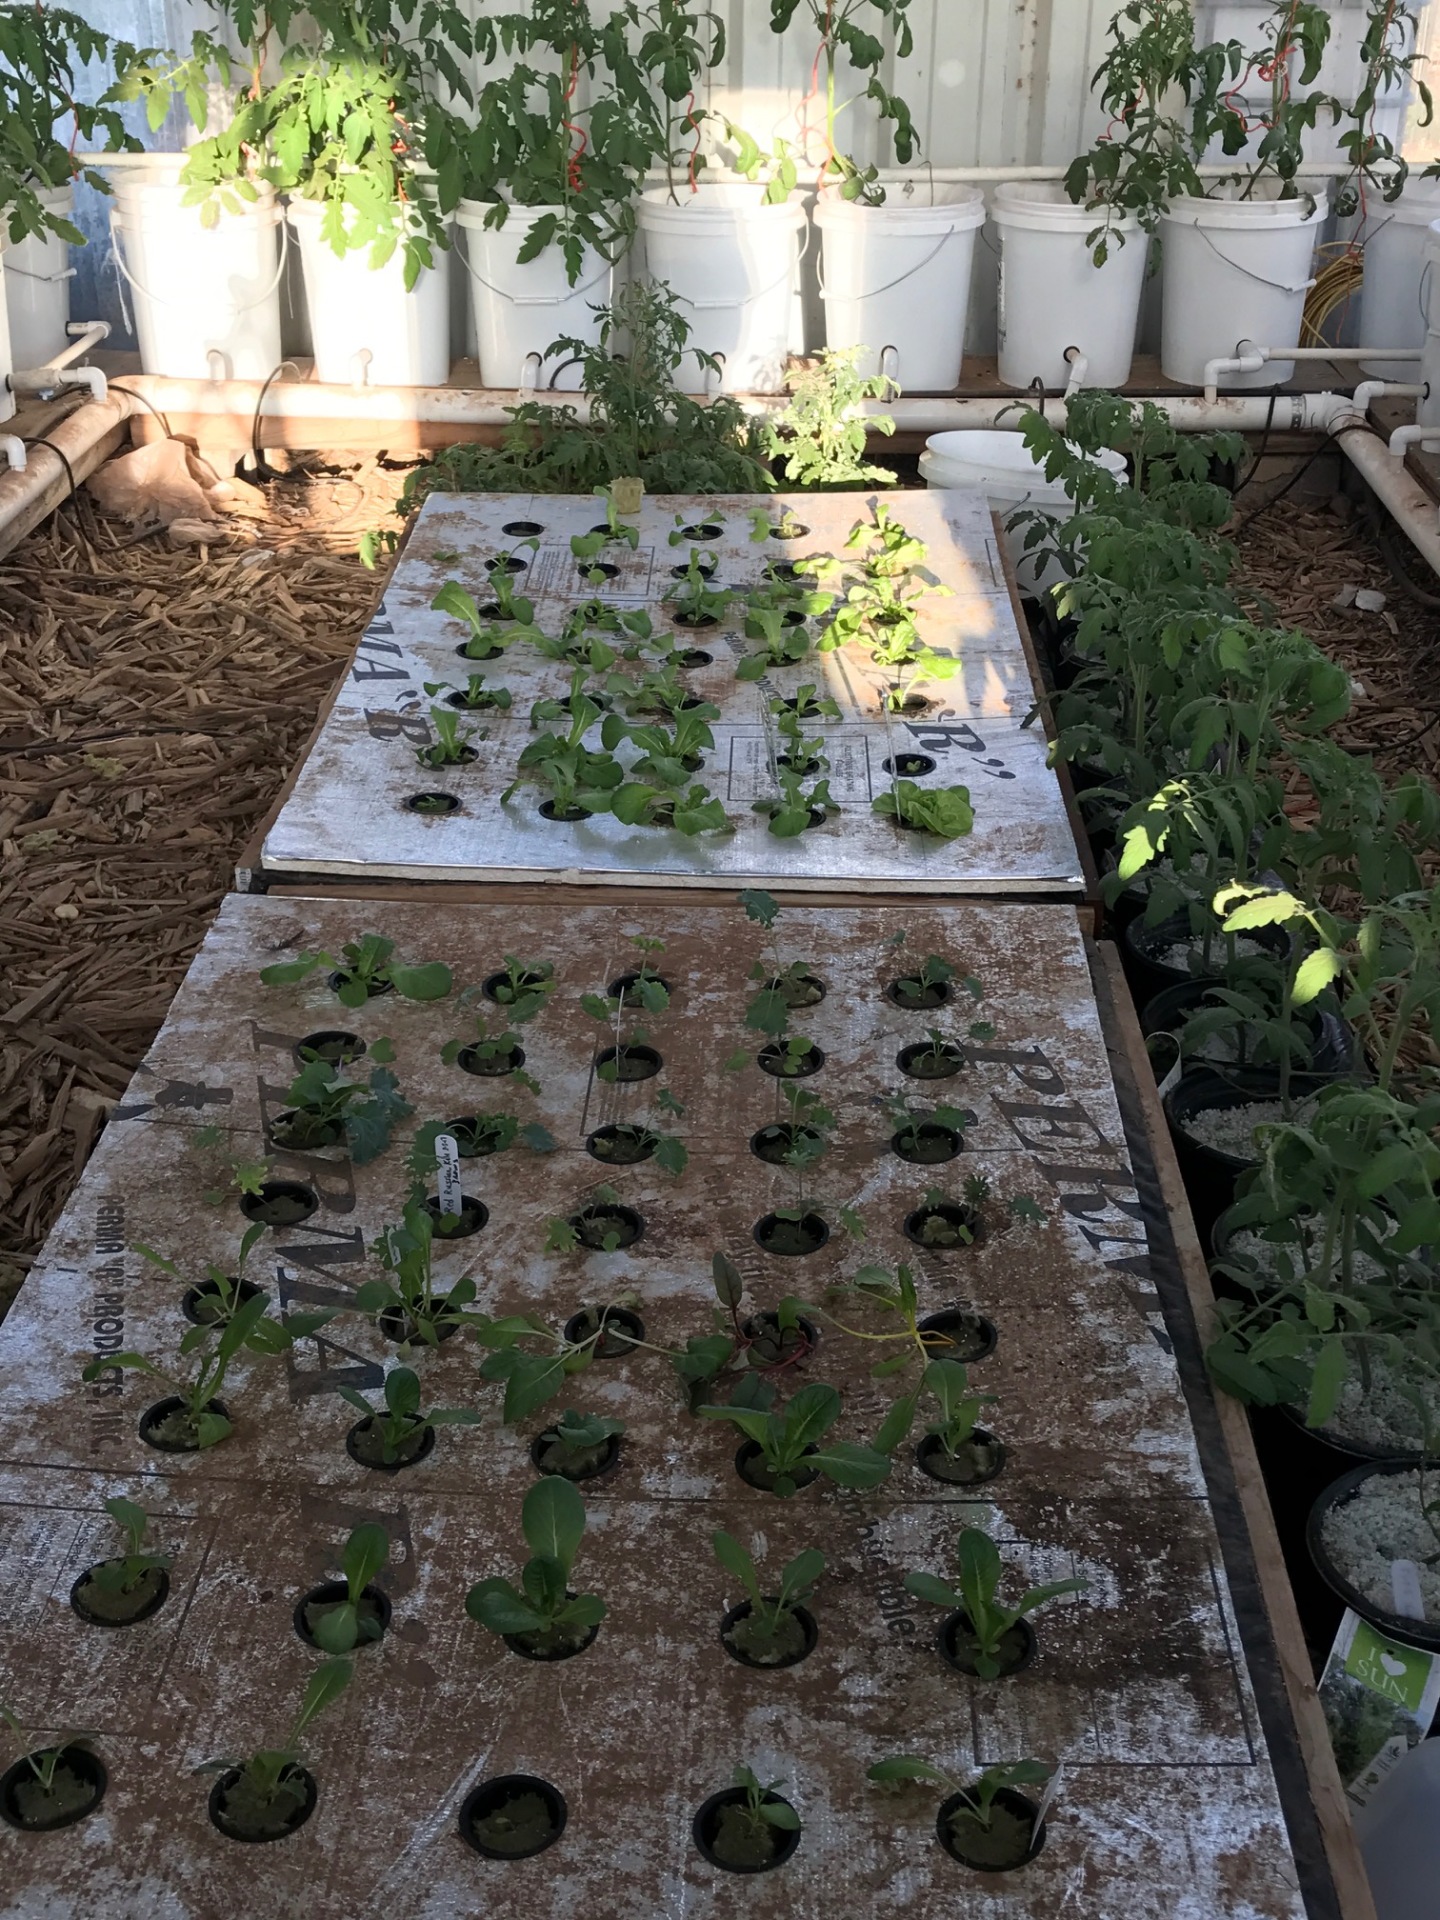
<point>272,1785</point>
<point>771,1615</point>
<point>364,967</point>
<point>576,1443</point>
<point>338,1627</point>
<point>196,1421</point>
<point>788,1438</point>
<point>978,1794</point>
<point>43,1762</point>
<point>474,696</point>
<point>321,1104</point>
<point>220,1293</point>
<point>124,1572</point>
<point>450,747</point>
<point>542,1612</point>
<point>409,1291</point>
<point>987,1621</point>
<point>403,1418</point>
<point>785,642</point>
<point>945,811</point>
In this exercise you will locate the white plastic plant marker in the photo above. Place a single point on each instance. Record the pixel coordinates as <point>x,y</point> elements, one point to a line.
<point>349,812</point>
<point>206,299</point>
<point>37,286</point>
<point>447,1155</point>
<point>1142,1684</point>
<point>1405,1587</point>
<point>895,279</point>
<point>1052,295</point>
<point>516,309</point>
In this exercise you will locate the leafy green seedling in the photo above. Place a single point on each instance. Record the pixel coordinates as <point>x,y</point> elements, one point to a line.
<point>543,1613</point>
<point>694,602</point>
<point>364,967</point>
<point>760,1816</point>
<point>987,1621</point>
<point>219,1294</point>
<point>124,1572</point>
<point>945,811</point>
<point>524,987</point>
<point>43,1762</point>
<point>576,1444</point>
<point>474,696</point>
<point>409,1290</point>
<point>404,1419</point>
<point>959,1406</point>
<point>338,1627</point>
<point>483,1134</point>
<point>977,1795</point>
<point>789,1439</point>
<point>785,642</point>
<point>771,1620</point>
<point>273,1785</point>
<point>322,1104</point>
<point>197,1424</point>
<point>450,747</point>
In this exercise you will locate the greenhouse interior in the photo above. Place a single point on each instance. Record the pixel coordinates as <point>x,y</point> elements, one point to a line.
<point>808,630</point>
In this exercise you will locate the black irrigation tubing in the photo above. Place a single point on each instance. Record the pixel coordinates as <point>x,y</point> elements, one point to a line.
<point>1264,444</point>
<point>117,386</point>
<point>40,441</point>
<point>1304,467</point>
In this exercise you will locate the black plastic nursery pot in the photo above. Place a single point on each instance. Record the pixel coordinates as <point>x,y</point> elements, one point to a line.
<point>1210,1173</point>
<point>621,1145</point>
<point>1330,1045</point>
<point>1413,1633</point>
<point>1143,949</point>
<point>750,1465</point>
<point>537,1646</point>
<point>741,1849</point>
<point>626,1064</point>
<point>606,1221</point>
<point>78,1788</point>
<point>296,1131</point>
<point>945,1227</point>
<point>550,1453</point>
<point>374,1611</point>
<point>775,1059</point>
<point>981,1459</point>
<point>928,1145</point>
<point>364,1447</point>
<point>771,1345</point>
<point>791,1239</point>
<point>915,995</point>
<point>160,1429</point>
<point>618,1330</point>
<point>910,766</point>
<point>794,1638</point>
<point>1013,1839</point>
<point>487,1066</point>
<point>99,1606</point>
<point>248,1823</point>
<point>334,1045</point>
<point>930,1060</point>
<point>958,1333</point>
<point>471,1218</point>
<point>782,1138</point>
<point>512,1817</point>
<point>1016,1650</point>
<point>396,1324</point>
<point>280,1203</point>
<point>207,1304</point>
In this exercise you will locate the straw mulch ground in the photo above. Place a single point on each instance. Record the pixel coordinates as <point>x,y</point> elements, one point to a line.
<point>151,703</point>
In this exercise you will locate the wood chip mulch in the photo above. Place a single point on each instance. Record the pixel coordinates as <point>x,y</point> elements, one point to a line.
<point>152,701</point>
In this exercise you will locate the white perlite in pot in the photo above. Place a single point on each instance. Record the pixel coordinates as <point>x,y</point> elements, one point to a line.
<point>1382,1522</point>
<point>1384,1415</point>
<point>1232,1129</point>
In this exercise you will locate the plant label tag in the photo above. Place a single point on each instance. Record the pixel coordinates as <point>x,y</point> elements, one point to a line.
<point>1379,1698</point>
<point>447,1153</point>
<point>1405,1587</point>
<point>1172,1076</point>
<point>1047,1799</point>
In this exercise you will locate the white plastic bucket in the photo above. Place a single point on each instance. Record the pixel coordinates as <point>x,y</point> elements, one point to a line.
<point>1053,296</point>
<point>207,299</point>
<point>734,266</point>
<point>1233,272</point>
<point>516,310</point>
<point>366,328</point>
<point>1392,305</point>
<point>896,280</point>
<point>1399,1835</point>
<point>1002,467</point>
<point>1427,413</point>
<point>37,286</point>
<point>7,398</point>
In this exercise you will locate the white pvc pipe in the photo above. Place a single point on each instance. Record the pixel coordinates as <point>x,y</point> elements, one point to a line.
<point>84,334</point>
<point>14,450</point>
<point>1254,358</point>
<point>51,379</point>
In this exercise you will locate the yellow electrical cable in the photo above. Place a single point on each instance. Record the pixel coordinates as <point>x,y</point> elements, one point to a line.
<point>1335,284</point>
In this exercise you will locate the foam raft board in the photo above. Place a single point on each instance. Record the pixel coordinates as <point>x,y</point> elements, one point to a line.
<point>348,814</point>
<point>1168,1808</point>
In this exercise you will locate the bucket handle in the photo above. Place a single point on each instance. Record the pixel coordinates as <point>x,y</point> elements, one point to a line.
<point>118,257</point>
<point>49,279</point>
<point>873,293</point>
<point>1276,286</point>
<point>709,306</point>
<point>534,299</point>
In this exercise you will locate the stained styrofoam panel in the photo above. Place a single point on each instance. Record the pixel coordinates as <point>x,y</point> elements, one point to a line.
<point>1168,1806</point>
<point>348,812</point>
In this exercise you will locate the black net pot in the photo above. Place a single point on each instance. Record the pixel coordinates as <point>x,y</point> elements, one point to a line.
<point>1020,1805</point>
<point>805,1620</point>
<point>88,1768</point>
<point>706,1822</point>
<point>492,1796</point>
<point>1412,1633</point>
<point>293,1824</point>
<point>126,1610</point>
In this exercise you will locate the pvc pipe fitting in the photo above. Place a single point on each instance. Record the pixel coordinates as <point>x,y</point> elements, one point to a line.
<point>1079,365</point>
<point>13,448</point>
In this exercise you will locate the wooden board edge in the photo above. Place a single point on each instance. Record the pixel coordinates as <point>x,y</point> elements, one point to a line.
<point>495,893</point>
<point>1347,1868</point>
<point>1037,681</point>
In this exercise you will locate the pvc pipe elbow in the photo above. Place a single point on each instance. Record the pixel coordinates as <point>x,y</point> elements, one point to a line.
<point>1079,364</point>
<point>1413,436</point>
<point>13,448</point>
<point>1370,390</point>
